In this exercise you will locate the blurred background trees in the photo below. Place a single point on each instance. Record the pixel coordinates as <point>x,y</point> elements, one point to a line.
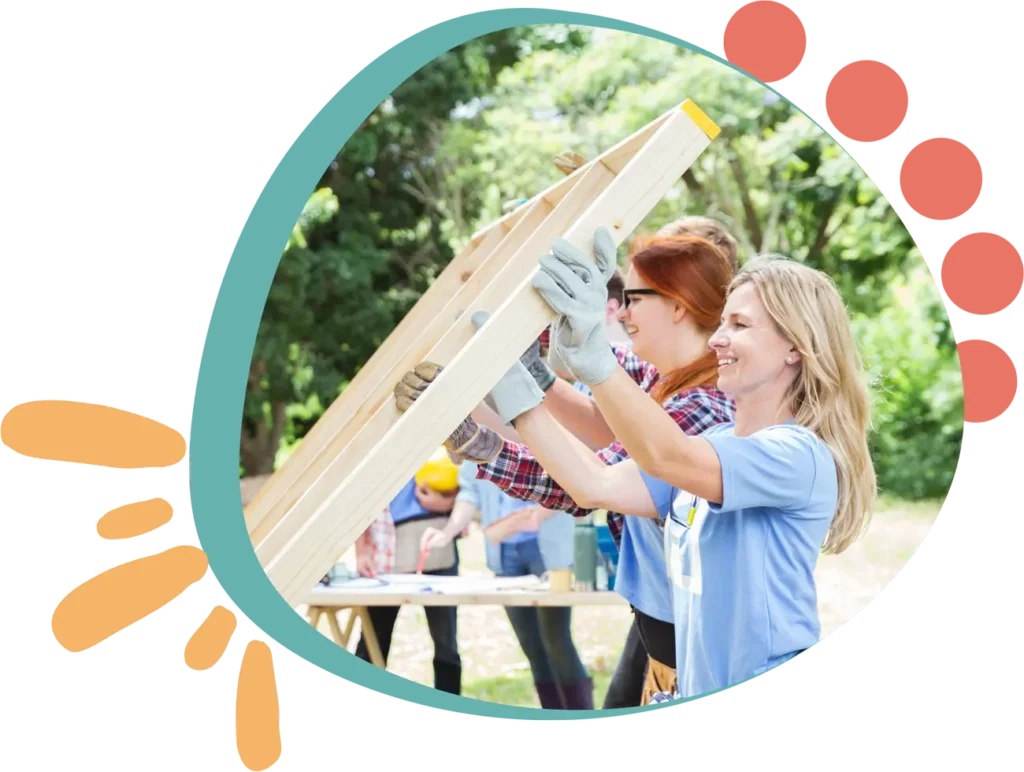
<point>480,125</point>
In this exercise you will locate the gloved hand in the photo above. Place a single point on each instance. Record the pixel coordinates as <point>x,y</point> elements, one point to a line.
<point>538,368</point>
<point>469,441</point>
<point>518,390</point>
<point>577,289</point>
<point>542,374</point>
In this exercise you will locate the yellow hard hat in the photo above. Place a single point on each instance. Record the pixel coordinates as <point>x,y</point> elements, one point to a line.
<point>439,472</point>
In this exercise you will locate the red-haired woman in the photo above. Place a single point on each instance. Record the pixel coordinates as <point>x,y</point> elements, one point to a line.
<point>675,292</point>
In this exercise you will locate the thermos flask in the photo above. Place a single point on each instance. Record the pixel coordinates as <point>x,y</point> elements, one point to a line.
<point>585,538</point>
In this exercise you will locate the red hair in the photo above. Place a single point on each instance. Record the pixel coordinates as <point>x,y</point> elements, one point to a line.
<point>696,274</point>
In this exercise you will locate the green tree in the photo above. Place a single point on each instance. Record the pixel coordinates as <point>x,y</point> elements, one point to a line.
<point>362,262</point>
<point>774,178</point>
<point>916,388</point>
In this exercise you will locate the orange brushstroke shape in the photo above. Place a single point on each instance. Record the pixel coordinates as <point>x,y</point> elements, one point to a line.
<point>257,717</point>
<point>90,434</point>
<point>134,519</point>
<point>117,598</point>
<point>207,644</point>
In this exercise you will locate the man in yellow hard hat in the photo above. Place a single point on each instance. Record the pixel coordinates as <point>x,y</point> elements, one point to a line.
<point>439,478</point>
<point>391,545</point>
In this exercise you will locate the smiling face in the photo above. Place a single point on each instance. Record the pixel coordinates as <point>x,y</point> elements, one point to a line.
<point>752,352</point>
<point>649,320</point>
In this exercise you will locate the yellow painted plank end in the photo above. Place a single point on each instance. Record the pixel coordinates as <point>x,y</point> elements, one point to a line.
<point>699,117</point>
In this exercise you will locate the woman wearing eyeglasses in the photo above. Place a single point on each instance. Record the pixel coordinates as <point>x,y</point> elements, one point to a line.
<point>674,295</point>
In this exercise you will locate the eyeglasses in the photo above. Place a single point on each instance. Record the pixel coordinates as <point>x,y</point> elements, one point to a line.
<point>627,295</point>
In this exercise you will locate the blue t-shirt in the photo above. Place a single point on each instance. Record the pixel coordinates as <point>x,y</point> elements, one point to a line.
<point>555,537</point>
<point>742,571</point>
<point>493,503</point>
<point>640,574</point>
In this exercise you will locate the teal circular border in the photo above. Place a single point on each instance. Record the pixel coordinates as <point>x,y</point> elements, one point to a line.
<point>231,338</point>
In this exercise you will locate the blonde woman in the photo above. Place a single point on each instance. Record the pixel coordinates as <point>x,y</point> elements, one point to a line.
<point>748,505</point>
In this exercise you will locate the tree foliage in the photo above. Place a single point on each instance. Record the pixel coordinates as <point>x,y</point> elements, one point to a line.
<point>480,125</point>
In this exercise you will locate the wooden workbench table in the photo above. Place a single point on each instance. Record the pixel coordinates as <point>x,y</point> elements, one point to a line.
<point>358,595</point>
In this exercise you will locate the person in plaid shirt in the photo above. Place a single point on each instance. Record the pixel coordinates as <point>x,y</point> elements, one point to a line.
<point>674,297</point>
<point>375,547</point>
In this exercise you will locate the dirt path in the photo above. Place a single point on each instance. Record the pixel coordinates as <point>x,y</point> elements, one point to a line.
<point>490,651</point>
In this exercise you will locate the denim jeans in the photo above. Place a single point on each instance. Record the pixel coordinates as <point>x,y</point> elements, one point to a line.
<point>544,633</point>
<point>442,623</point>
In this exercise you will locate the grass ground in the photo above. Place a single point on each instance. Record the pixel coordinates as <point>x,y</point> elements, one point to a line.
<point>495,669</point>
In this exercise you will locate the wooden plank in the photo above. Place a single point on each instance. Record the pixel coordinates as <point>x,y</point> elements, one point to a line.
<point>531,236</point>
<point>611,158</point>
<point>264,510</point>
<point>348,498</point>
<point>308,460</point>
<point>360,399</point>
<point>493,246</point>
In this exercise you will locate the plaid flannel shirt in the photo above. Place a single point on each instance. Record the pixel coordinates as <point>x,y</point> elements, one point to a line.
<point>379,541</point>
<point>516,471</point>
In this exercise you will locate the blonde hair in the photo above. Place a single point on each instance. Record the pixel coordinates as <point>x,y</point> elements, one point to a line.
<point>829,395</point>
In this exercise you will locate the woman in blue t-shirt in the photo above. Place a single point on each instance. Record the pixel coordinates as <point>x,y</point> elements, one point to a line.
<point>747,505</point>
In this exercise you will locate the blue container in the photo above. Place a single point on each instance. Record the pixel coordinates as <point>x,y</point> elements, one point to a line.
<point>606,543</point>
<point>609,553</point>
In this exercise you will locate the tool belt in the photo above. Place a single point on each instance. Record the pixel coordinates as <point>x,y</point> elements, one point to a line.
<point>659,678</point>
<point>408,534</point>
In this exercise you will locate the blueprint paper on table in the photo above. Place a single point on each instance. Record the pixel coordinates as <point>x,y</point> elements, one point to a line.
<point>444,585</point>
<point>472,585</point>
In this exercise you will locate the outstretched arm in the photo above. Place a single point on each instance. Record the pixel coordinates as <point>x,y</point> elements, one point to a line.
<point>587,479</point>
<point>655,441</point>
<point>579,414</point>
<point>436,538</point>
<point>592,484</point>
<point>574,410</point>
<point>484,416</point>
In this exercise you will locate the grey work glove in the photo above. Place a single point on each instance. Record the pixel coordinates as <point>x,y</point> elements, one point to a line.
<point>540,371</point>
<point>543,375</point>
<point>517,390</point>
<point>538,368</point>
<point>576,288</point>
